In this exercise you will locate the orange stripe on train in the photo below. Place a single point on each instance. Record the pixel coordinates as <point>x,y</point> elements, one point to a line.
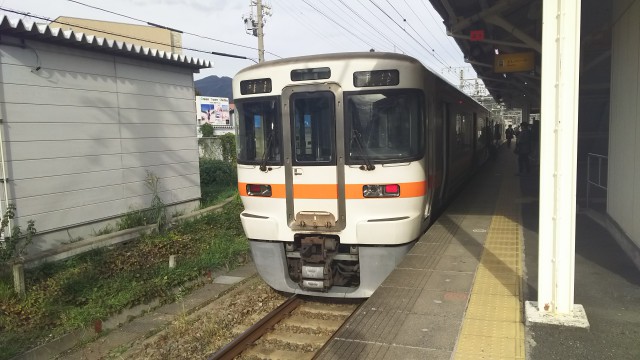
<point>330,191</point>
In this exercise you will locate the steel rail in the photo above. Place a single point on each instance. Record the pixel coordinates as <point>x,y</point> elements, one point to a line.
<point>247,338</point>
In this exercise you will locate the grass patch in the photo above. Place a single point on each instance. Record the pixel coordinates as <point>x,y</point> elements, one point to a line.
<point>73,293</point>
<point>214,194</point>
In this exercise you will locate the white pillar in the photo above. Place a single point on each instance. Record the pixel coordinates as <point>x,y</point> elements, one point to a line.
<point>558,158</point>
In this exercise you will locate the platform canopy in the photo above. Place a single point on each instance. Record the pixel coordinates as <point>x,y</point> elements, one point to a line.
<point>502,41</point>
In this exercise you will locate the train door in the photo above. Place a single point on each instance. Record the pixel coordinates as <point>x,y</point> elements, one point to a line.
<point>314,157</point>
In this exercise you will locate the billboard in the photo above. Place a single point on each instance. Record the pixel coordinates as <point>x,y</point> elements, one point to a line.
<point>213,110</point>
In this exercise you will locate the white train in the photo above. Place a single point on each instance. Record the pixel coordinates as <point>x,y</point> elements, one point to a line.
<point>343,160</point>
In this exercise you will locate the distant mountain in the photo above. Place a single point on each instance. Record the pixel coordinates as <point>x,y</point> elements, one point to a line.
<point>215,86</point>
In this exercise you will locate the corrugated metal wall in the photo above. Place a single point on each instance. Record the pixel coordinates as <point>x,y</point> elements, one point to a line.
<point>81,133</point>
<point>623,203</point>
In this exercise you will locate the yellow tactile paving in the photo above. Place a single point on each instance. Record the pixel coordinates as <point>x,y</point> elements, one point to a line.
<point>492,327</point>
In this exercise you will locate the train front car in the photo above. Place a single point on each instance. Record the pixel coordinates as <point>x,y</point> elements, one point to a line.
<point>332,169</point>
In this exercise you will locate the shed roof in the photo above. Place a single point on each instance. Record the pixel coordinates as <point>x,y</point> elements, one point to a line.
<point>46,33</point>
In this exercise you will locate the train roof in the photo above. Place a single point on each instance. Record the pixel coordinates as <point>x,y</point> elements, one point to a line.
<point>332,57</point>
<point>369,55</point>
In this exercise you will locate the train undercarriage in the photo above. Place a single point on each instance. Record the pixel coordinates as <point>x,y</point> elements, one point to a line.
<point>316,262</point>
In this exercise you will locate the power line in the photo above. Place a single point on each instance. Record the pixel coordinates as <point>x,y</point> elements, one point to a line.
<point>434,19</point>
<point>414,30</point>
<point>124,35</point>
<point>414,39</point>
<point>337,23</point>
<point>293,11</point>
<point>367,22</point>
<point>391,30</point>
<point>340,15</point>
<point>167,28</point>
<point>428,31</point>
<point>330,9</point>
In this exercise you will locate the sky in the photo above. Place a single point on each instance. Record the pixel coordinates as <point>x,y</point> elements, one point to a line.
<point>293,28</point>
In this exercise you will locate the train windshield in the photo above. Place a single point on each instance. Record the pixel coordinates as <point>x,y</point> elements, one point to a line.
<point>259,134</point>
<point>384,126</point>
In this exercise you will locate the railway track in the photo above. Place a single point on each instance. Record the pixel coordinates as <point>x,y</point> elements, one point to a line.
<point>297,329</point>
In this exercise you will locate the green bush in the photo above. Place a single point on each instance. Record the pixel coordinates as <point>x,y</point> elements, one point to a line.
<point>217,173</point>
<point>206,130</point>
<point>15,245</point>
<point>228,147</point>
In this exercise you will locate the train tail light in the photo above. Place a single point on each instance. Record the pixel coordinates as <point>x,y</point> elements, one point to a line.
<point>258,190</point>
<point>381,191</point>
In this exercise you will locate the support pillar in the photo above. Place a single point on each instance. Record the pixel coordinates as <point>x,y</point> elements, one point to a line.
<point>558,162</point>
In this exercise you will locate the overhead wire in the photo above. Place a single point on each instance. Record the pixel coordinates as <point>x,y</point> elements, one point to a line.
<point>451,41</point>
<point>391,30</point>
<point>414,39</point>
<point>167,27</point>
<point>319,22</point>
<point>355,23</point>
<point>370,41</point>
<point>434,19</point>
<point>337,23</point>
<point>367,22</point>
<point>404,19</point>
<point>297,13</point>
<point>429,31</point>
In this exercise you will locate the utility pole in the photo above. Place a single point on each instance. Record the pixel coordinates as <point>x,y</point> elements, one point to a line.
<point>255,27</point>
<point>260,32</point>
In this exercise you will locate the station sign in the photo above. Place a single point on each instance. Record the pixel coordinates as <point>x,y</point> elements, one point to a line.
<point>515,62</point>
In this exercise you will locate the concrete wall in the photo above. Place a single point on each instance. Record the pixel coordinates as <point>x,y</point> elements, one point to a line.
<point>623,203</point>
<point>81,133</point>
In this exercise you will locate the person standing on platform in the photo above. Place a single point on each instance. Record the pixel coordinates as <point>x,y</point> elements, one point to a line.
<point>509,135</point>
<point>523,149</point>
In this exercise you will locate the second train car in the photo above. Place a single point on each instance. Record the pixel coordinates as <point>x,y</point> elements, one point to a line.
<point>343,160</point>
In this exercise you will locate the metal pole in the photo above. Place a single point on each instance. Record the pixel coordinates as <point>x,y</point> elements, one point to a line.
<point>5,180</point>
<point>559,124</point>
<point>588,178</point>
<point>260,33</point>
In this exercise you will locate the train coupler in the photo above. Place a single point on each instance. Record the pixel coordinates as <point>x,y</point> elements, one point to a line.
<point>316,257</point>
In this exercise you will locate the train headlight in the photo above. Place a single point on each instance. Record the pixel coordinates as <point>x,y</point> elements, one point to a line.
<point>258,190</point>
<point>378,191</point>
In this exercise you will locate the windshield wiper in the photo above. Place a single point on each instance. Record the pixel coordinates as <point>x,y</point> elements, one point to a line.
<point>363,153</point>
<point>263,163</point>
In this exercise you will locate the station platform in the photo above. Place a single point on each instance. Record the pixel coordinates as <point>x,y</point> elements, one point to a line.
<point>460,292</point>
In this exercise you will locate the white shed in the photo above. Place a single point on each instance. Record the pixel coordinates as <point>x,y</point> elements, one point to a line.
<point>83,121</point>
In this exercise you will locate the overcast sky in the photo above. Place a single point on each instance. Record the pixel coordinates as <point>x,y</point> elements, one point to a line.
<point>295,27</point>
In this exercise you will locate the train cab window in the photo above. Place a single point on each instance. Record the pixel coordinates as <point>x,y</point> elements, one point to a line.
<point>385,126</point>
<point>312,118</point>
<point>259,132</point>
